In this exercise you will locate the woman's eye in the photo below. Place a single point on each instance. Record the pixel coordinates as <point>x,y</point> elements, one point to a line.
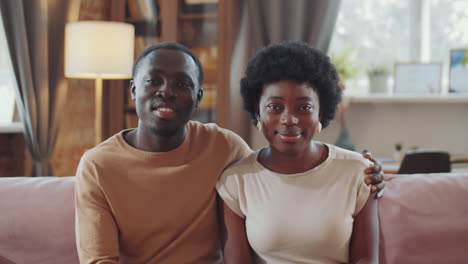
<point>273,107</point>
<point>306,108</point>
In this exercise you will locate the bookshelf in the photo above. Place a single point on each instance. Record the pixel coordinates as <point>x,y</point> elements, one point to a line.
<point>207,27</point>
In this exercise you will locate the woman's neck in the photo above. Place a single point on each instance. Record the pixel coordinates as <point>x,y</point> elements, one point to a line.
<point>284,163</point>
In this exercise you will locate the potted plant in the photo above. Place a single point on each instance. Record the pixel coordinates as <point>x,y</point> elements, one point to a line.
<point>345,65</point>
<point>378,79</point>
<point>347,69</point>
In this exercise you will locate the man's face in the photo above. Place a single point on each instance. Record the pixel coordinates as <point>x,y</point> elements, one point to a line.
<point>166,90</point>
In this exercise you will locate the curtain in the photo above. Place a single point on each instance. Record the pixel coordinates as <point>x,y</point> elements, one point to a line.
<point>311,21</point>
<point>269,21</point>
<point>35,34</point>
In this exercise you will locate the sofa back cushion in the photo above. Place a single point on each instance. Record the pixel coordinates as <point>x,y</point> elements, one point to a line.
<point>37,220</point>
<point>424,219</point>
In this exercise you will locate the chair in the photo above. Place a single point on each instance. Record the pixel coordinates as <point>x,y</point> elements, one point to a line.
<point>425,161</point>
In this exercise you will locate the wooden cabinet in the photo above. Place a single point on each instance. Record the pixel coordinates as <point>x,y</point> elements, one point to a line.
<point>204,26</point>
<point>12,154</point>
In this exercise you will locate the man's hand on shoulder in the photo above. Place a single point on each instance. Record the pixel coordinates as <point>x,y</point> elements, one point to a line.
<point>374,176</point>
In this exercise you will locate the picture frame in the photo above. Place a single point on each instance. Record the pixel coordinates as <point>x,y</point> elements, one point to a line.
<point>458,71</point>
<point>418,78</point>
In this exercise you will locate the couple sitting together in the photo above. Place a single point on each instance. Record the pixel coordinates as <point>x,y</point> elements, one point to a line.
<point>178,191</point>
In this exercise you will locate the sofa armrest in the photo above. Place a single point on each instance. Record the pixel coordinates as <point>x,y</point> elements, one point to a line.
<point>37,223</point>
<point>423,218</point>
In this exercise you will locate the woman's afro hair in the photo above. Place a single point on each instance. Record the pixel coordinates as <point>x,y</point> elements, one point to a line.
<point>295,61</point>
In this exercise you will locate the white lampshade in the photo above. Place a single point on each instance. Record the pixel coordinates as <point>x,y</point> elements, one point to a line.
<point>99,49</point>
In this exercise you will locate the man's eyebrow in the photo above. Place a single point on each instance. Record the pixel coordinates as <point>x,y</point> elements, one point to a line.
<point>183,74</point>
<point>179,74</point>
<point>156,71</point>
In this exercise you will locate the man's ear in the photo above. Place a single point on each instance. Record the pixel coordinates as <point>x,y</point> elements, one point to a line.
<point>199,96</point>
<point>132,89</point>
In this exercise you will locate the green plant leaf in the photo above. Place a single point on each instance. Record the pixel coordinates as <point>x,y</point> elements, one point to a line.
<point>465,58</point>
<point>345,65</point>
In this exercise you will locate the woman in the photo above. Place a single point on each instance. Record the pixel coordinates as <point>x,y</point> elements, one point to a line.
<point>297,200</point>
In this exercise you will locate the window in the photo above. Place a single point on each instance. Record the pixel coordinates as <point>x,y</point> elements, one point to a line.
<point>7,93</point>
<point>385,32</point>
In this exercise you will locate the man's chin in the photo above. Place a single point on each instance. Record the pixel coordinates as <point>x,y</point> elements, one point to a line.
<point>163,132</point>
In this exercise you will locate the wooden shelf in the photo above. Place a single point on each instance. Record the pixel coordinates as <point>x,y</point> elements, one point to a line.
<point>207,28</point>
<point>408,98</point>
<point>130,109</point>
<point>213,16</point>
<point>149,28</point>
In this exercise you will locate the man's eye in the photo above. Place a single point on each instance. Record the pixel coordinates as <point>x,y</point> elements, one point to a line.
<point>153,81</point>
<point>184,84</point>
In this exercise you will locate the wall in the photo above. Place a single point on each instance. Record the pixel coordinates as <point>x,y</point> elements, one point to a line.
<point>378,127</point>
<point>76,133</point>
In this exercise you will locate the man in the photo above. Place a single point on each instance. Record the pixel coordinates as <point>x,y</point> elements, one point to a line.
<point>148,195</point>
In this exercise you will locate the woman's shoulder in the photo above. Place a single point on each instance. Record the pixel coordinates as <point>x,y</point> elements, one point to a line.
<point>242,166</point>
<point>345,156</point>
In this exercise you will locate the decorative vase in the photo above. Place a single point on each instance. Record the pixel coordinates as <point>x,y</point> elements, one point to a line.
<point>344,140</point>
<point>378,83</point>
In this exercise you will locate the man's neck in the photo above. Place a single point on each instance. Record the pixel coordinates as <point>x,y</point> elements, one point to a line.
<point>145,139</point>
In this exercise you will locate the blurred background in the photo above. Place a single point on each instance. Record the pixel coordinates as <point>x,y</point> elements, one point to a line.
<point>402,64</point>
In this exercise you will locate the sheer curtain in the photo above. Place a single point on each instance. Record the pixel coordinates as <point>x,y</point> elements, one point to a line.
<point>268,21</point>
<point>35,36</point>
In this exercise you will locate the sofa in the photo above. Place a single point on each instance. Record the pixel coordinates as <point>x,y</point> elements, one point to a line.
<point>423,219</point>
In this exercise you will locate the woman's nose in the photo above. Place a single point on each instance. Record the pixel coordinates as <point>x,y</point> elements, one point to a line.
<point>289,119</point>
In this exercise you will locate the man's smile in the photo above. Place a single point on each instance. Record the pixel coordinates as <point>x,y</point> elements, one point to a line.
<point>164,112</point>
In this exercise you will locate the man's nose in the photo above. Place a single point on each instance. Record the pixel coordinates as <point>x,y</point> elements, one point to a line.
<point>289,119</point>
<point>166,91</point>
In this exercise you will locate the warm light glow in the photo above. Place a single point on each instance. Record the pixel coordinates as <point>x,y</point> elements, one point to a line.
<point>99,49</point>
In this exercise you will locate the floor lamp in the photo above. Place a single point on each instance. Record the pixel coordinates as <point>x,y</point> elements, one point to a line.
<point>99,50</point>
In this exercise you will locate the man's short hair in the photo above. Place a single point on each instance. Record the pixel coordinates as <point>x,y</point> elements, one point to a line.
<point>170,46</point>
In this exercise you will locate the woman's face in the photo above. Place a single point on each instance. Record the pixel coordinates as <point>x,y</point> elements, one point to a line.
<point>289,115</point>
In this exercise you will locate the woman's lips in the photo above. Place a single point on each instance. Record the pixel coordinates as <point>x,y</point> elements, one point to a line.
<point>290,138</point>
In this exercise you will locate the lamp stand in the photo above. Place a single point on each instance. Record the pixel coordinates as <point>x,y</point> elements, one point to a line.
<point>98,111</point>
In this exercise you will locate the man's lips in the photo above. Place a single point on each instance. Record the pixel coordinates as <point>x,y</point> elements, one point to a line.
<point>165,112</point>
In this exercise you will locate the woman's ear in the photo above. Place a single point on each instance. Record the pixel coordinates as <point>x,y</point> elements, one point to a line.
<point>132,89</point>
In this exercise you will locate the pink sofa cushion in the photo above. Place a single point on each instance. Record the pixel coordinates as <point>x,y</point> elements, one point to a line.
<point>37,220</point>
<point>424,219</point>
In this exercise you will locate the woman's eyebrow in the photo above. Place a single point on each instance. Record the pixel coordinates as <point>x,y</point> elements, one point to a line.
<point>275,98</point>
<point>304,98</point>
